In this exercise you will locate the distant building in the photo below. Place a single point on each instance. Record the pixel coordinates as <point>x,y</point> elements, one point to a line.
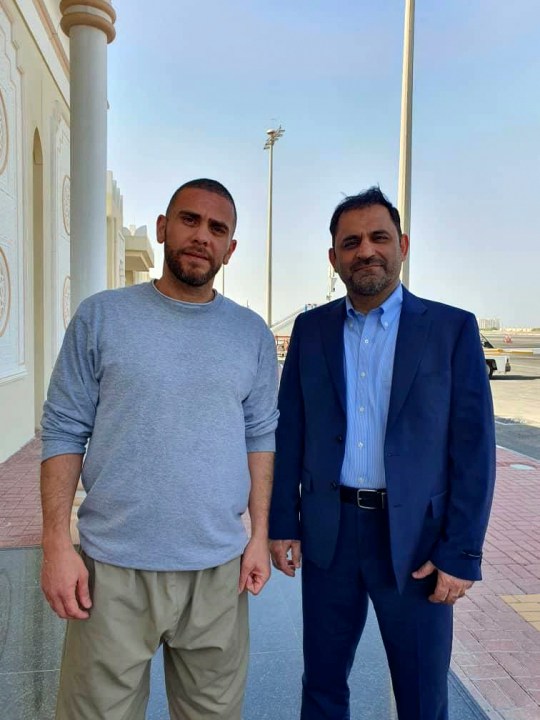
<point>489,323</point>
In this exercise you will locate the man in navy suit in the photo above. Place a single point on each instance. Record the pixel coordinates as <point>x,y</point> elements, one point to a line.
<point>385,469</point>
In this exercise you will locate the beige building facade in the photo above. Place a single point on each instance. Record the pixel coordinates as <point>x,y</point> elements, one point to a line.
<point>35,219</point>
<point>130,256</point>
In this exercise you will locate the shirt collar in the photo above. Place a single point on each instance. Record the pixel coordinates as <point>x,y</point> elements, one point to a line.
<point>388,312</point>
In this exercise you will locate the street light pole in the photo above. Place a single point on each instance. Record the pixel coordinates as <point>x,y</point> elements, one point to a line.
<point>405,142</point>
<point>273,137</point>
<point>332,277</point>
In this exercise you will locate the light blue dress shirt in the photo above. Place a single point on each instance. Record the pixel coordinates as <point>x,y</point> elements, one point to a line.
<point>370,346</point>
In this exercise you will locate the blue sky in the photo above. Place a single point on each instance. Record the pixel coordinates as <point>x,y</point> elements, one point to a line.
<point>194,85</point>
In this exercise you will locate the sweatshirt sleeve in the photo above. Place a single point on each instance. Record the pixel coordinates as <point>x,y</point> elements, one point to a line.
<point>260,406</point>
<point>72,398</point>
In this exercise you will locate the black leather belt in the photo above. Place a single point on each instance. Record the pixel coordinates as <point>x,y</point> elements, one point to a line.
<point>365,499</point>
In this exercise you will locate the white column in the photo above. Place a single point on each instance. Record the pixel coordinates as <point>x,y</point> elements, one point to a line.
<point>405,144</point>
<point>89,25</point>
<point>269,239</point>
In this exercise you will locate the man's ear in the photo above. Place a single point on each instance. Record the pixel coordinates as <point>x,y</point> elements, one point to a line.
<point>161,226</point>
<point>404,245</point>
<point>232,248</point>
<point>332,257</point>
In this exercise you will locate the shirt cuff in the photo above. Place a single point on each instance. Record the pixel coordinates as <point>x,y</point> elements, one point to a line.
<point>55,447</point>
<point>261,443</point>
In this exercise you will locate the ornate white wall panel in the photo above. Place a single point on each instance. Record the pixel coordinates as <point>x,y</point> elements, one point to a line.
<point>12,361</point>
<point>35,14</point>
<point>60,197</point>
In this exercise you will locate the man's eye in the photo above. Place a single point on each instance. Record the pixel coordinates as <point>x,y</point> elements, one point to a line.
<point>188,220</point>
<point>218,229</point>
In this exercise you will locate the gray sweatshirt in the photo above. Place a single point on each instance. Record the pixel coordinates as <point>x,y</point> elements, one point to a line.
<point>170,397</point>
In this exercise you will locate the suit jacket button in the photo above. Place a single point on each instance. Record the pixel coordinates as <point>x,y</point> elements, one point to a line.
<point>334,485</point>
<point>339,438</point>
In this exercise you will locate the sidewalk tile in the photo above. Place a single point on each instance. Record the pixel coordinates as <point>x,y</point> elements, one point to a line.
<point>515,692</point>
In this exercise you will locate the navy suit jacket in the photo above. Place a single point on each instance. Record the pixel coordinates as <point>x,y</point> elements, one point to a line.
<point>439,446</point>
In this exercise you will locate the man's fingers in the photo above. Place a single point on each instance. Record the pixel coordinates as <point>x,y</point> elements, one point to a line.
<point>281,562</point>
<point>426,569</point>
<point>279,550</point>
<point>72,609</point>
<point>449,599</point>
<point>242,580</point>
<point>296,554</point>
<point>57,607</point>
<point>83,592</point>
<point>65,605</point>
<point>72,598</point>
<point>439,595</point>
<point>255,583</point>
<point>448,590</point>
<point>64,581</point>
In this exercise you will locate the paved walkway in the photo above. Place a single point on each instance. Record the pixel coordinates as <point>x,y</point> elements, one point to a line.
<point>497,629</point>
<point>20,513</point>
<point>497,626</point>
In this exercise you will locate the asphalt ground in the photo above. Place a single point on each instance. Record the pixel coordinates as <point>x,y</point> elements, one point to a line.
<point>518,340</point>
<point>516,396</point>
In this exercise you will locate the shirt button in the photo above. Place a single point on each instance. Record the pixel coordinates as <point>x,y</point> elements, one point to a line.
<point>362,374</point>
<point>360,444</point>
<point>385,324</point>
<point>361,408</point>
<point>366,341</point>
<point>360,480</point>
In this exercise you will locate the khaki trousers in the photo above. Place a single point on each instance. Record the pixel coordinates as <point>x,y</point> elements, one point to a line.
<point>199,618</point>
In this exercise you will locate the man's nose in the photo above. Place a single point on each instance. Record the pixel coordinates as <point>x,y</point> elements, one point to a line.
<point>202,234</point>
<point>364,250</point>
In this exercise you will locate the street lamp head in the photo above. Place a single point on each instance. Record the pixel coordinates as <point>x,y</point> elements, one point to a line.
<point>273,137</point>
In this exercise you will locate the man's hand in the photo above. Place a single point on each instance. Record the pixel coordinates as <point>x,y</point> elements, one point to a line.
<point>255,566</point>
<point>279,550</point>
<point>64,581</point>
<point>448,588</point>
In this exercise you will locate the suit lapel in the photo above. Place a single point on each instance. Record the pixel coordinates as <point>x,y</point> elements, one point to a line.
<point>332,336</point>
<point>413,329</point>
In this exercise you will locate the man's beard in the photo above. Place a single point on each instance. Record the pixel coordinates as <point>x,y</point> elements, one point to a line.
<point>182,271</point>
<point>369,285</point>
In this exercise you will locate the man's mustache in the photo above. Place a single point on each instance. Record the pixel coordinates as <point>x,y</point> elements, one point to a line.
<point>370,262</point>
<point>192,251</point>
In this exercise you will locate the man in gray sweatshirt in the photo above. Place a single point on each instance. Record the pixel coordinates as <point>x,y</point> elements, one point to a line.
<point>163,400</point>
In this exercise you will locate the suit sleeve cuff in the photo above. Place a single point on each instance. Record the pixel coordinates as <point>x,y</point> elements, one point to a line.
<point>463,564</point>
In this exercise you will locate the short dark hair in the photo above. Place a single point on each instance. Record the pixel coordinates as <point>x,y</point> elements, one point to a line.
<point>372,196</point>
<point>212,186</point>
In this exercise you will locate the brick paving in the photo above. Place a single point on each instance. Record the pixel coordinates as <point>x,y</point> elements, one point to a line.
<point>20,513</point>
<point>496,645</point>
<point>496,649</point>
<point>528,606</point>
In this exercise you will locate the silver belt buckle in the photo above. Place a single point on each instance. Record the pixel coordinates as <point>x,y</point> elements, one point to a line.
<point>368,507</point>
